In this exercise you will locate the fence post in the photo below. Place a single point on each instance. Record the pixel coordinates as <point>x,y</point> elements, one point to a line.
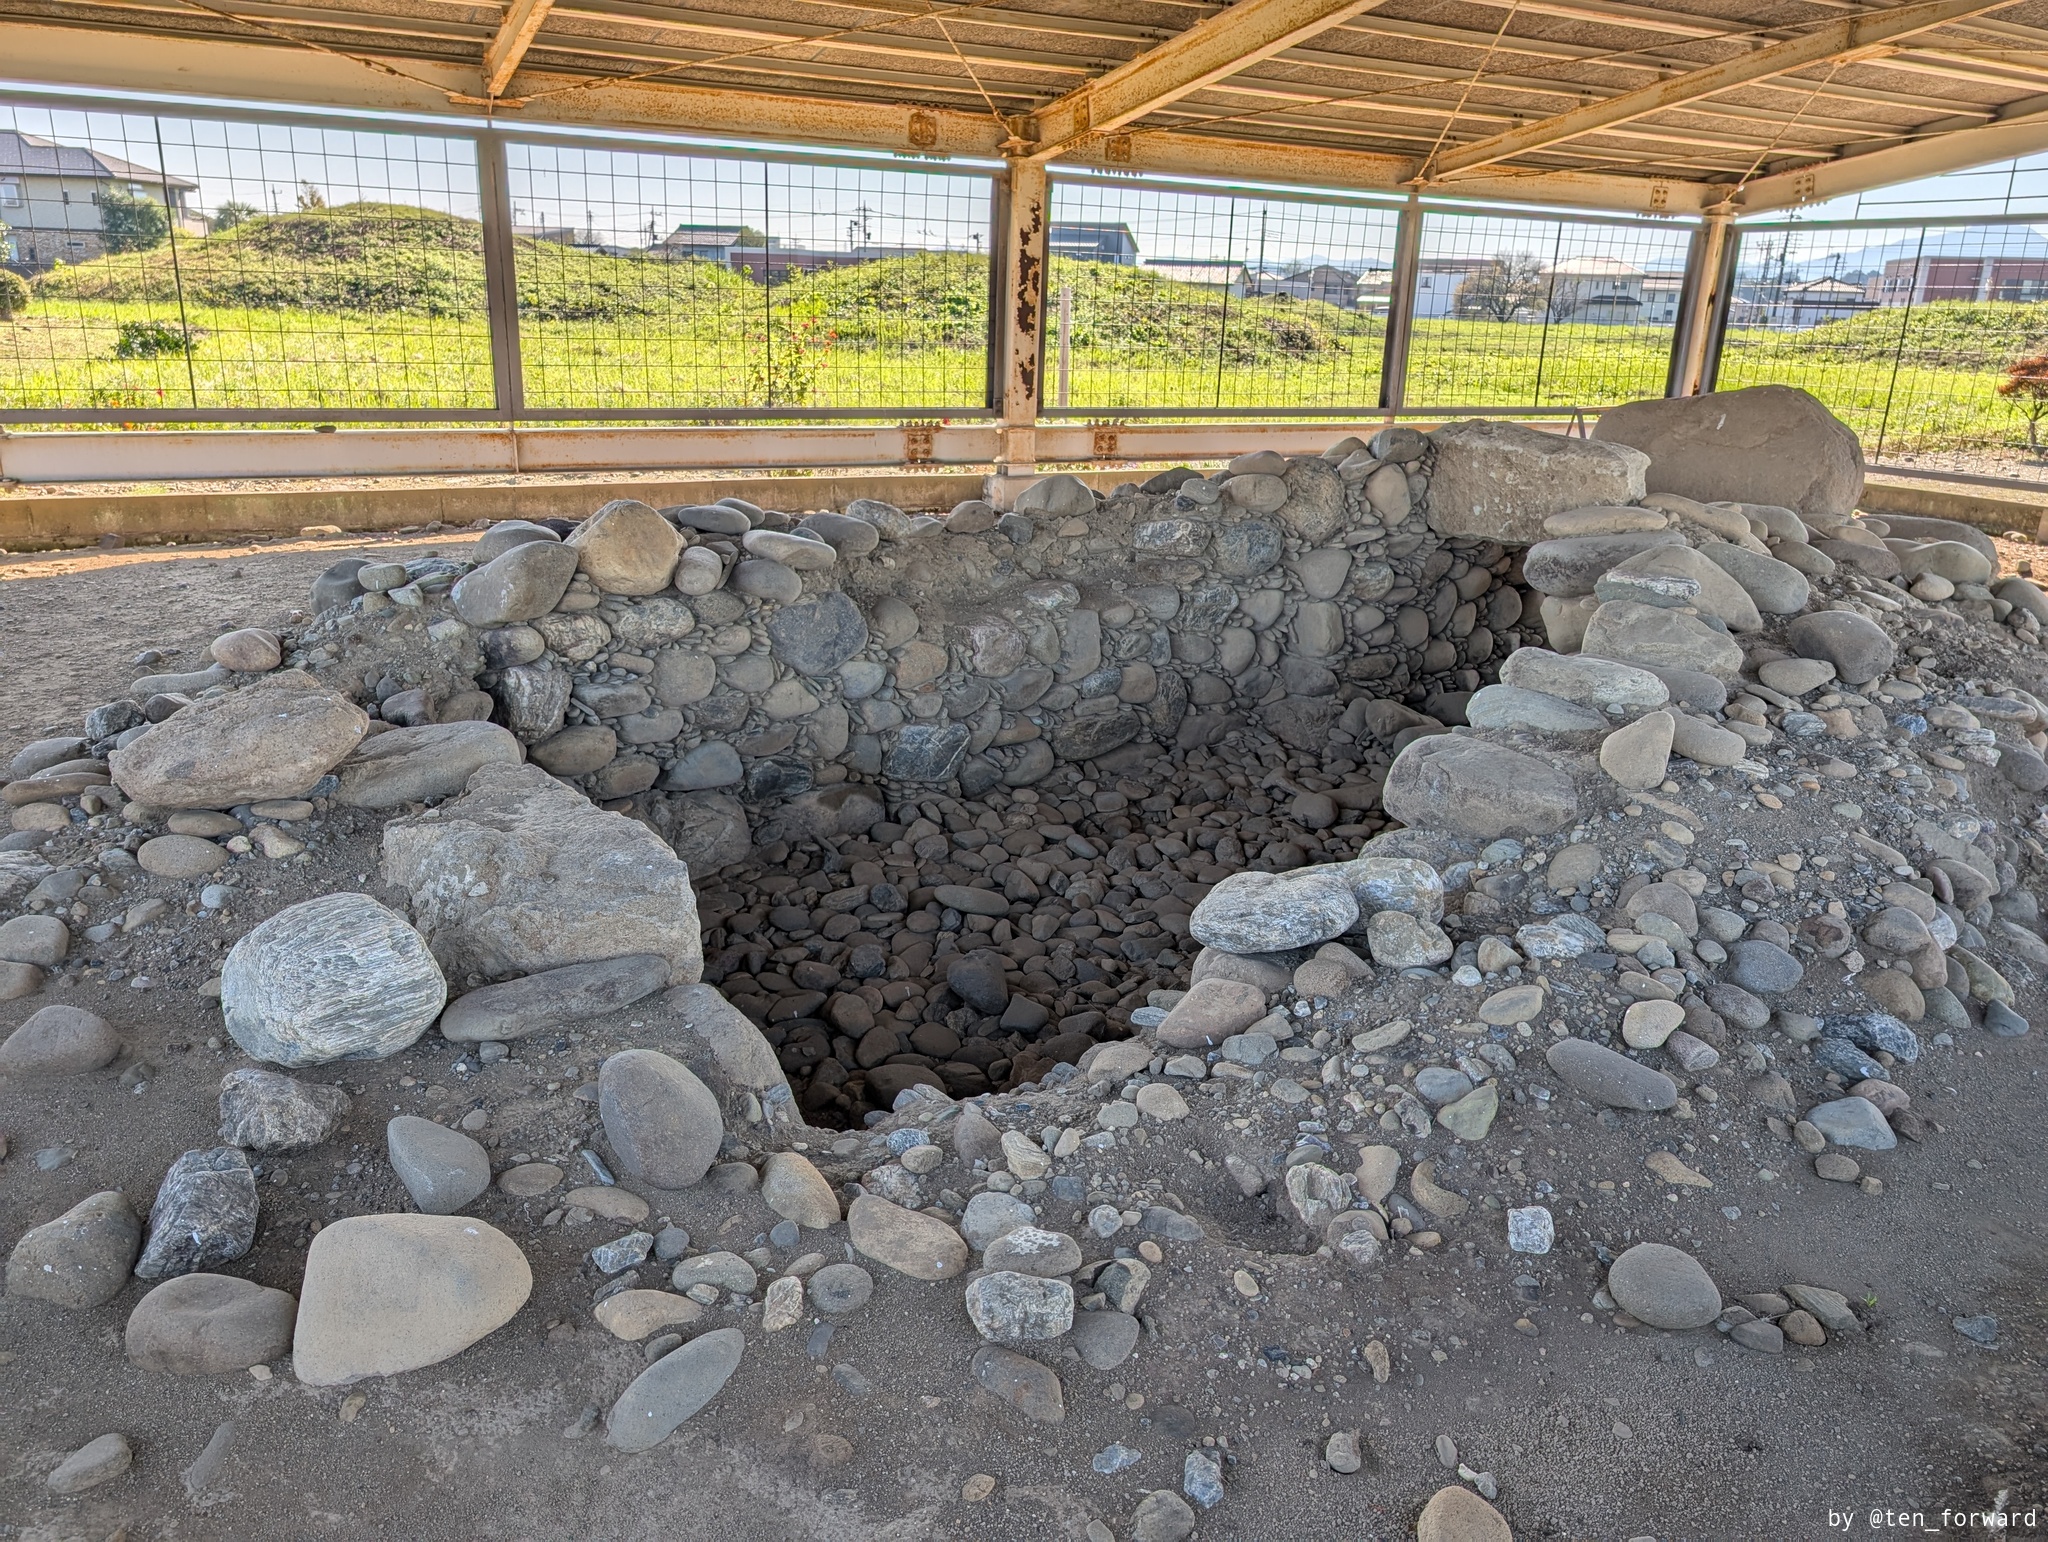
<point>501,277</point>
<point>1701,309</point>
<point>1018,327</point>
<point>1401,306</point>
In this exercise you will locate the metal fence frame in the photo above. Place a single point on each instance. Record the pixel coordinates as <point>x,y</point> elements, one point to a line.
<point>1729,279</point>
<point>1012,406</point>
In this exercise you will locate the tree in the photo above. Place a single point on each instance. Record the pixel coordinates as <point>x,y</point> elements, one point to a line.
<point>1502,288</point>
<point>129,223</point>
<point>233,213</point>
<point>310,197</point>
<point>2026,386</point>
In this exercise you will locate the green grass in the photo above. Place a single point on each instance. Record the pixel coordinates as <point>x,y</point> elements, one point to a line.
<point>378,306</point>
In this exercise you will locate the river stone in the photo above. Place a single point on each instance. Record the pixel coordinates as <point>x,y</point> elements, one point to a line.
<point>1603,1076</point>
<point>765,579</point>
<point>1704,743</point>
<point>664,1124</point>
<point>672,1389</point>
<point>1508,706</point>
<point>205,1214</point>
<point>1652,635</point>
<point>276,1114</point>
<point>1664,1287</point>
<point>1678,575</point>
<point>411,765</point>
<point>1457,1514</point>
<point>1590,682</point>
<point>59,1041</point>
<point>1763,968</point>
<point>795,1190</point>
<point>926,752</point>
<point>327,979</point>
<point>575,751</point>
<point>1256,912</point>
<point>1858,647</point>
<point>442,1169</point>
<point>839,1289</point>
<point>1876,1031</point>
<point>1847,1124</point>
<point>1009,1307</point>
<point>552,999</point>
<point>625,548</point>
<point>911,1242</point>
<point>1162,1516</point>
<point>505,534</point>
<point>1029,1388</point>
<point>533,699</point>
<point>524,583</point>
<point>1573,566</point>
<point>1770,444</point>
<point>1034,1250</point>
<point>1501,481</point>
<point>1774,587</point>
<point>1105,1339</point>
<point>273,740</point>
<point>389,1293</point>
<point>1247,548</point>
<point>209,1325</point>
<point>804,552</point>
<point>522,874</point>
<point>1796,677</point>
<point>1210,1012</point>
<point>1636,756</point>
<point>1084,738</point>
<point>1475,789</point>
<point>96,1462</point>
<point>180,857</point>
<point>249,650</point>
<point>816,637</point>
<point>1398,940</point>
<point>80,1259</point>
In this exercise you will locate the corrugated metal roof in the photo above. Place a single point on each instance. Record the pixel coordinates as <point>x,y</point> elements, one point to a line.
<point>1418,80</point>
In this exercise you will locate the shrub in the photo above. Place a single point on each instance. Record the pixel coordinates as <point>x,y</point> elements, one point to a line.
<point>154,339</point>
<point>14,295</point>
<point>131,224</point>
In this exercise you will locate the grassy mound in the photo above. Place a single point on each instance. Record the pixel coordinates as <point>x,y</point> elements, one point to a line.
<point>1950,334</point>
<point>373,259</point>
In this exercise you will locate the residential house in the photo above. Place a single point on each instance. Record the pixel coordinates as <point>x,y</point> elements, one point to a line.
<point>1436,284</point>
<point>1809,302</point>
<point>1324,281</point>
<point>50,199</point>
<point>1093,243</point>
<point>1604,291</point>
<point>1203,273</point>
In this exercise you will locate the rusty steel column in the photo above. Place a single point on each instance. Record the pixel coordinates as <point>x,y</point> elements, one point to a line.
<point>1018,329</point>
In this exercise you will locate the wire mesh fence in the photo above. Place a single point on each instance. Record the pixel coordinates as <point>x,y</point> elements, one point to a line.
<point>1521,311</point>
<point>177,263</point>
<point>1168,299</point>
<point>653,282</point>
<point>1930,340</point>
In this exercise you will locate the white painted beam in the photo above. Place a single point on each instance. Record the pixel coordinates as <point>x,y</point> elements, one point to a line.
<point>1838,40</point>
<point>522,23</point>
<point>1957,150</point>
<point>1215,47</point>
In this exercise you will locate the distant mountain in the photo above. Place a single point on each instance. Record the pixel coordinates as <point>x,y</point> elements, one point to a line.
<point>1940,241</point>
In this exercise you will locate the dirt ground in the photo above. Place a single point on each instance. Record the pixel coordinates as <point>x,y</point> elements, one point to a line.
<point>1590,1431</point>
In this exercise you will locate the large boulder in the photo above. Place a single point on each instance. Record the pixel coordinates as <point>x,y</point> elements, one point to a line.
<point>273,740</point>
<point>1768,444</point>
<point>411,765</point>
<point>337,977</point>
<point>1501,481</point>
<point>626,548</point>
<point>1476,789</point>
<point>522,874</point>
